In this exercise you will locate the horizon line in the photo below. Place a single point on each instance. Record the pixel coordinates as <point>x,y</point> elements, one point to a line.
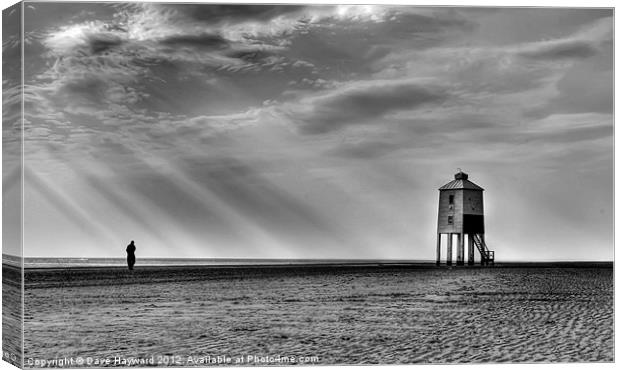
<point>298,259</point>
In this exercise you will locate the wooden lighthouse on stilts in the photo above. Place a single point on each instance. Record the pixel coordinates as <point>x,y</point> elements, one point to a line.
<point>461,215</point>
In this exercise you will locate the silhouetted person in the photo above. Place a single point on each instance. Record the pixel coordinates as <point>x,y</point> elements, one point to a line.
<point>131,257</point>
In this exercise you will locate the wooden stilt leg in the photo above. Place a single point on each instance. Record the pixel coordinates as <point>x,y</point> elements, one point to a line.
<point>438,261</point>
<point>460,252</point>
<point>470,242</point>
<point>449,251</point>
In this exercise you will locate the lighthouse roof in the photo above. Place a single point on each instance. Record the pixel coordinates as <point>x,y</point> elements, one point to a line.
<point>460,182</point>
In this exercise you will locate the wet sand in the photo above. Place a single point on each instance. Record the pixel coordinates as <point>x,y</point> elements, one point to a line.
<point>342,315</point>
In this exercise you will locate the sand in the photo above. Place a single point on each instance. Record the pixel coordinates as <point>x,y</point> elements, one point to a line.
<point>11,314</point>
<point>329,315</point>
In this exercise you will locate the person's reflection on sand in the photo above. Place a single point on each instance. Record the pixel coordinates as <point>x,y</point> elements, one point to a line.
<point>131,257</point>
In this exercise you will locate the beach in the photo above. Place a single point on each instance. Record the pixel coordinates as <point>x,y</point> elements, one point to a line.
<point>11,314</point>
<point>382,314</point>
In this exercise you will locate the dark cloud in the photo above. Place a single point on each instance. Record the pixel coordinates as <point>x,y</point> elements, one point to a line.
<point>250,55</point>
<point>100,43</point>
<point>11,44</point>
<point>207,41</point>
<point>231,13</point>
<point>90,91</point>
<point>364,102</point>
<point>11,21</point>
<point>557,50</point>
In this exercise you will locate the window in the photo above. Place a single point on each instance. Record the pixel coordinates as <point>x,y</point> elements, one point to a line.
<point>451,199</point>
<point>450,220</point>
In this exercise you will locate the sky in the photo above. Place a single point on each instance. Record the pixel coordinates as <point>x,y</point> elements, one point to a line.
<point>274,131</point>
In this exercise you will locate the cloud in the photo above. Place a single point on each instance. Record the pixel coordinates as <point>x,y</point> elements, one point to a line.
<point>124,53</point>
<point>303,64</point>
<point>569,95</point>
<point>360,102</point>
<point>583,43</point>
<point>89,94</point>
<point>408,21</point>
<point>353,42</point>
<point>525,70</point>
<point>230,13</point>
<point>128,52</point>
<point>102,43</point>
<point>558,50</point>
<point>11,44</point>
<point>85,38</point>
<point>310,83</point>
<point>205,40</point>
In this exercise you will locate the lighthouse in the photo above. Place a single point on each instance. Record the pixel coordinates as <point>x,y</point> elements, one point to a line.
<point>461,217</point>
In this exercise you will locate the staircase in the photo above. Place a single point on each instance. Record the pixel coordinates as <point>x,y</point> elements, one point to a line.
<point>486,256</point>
